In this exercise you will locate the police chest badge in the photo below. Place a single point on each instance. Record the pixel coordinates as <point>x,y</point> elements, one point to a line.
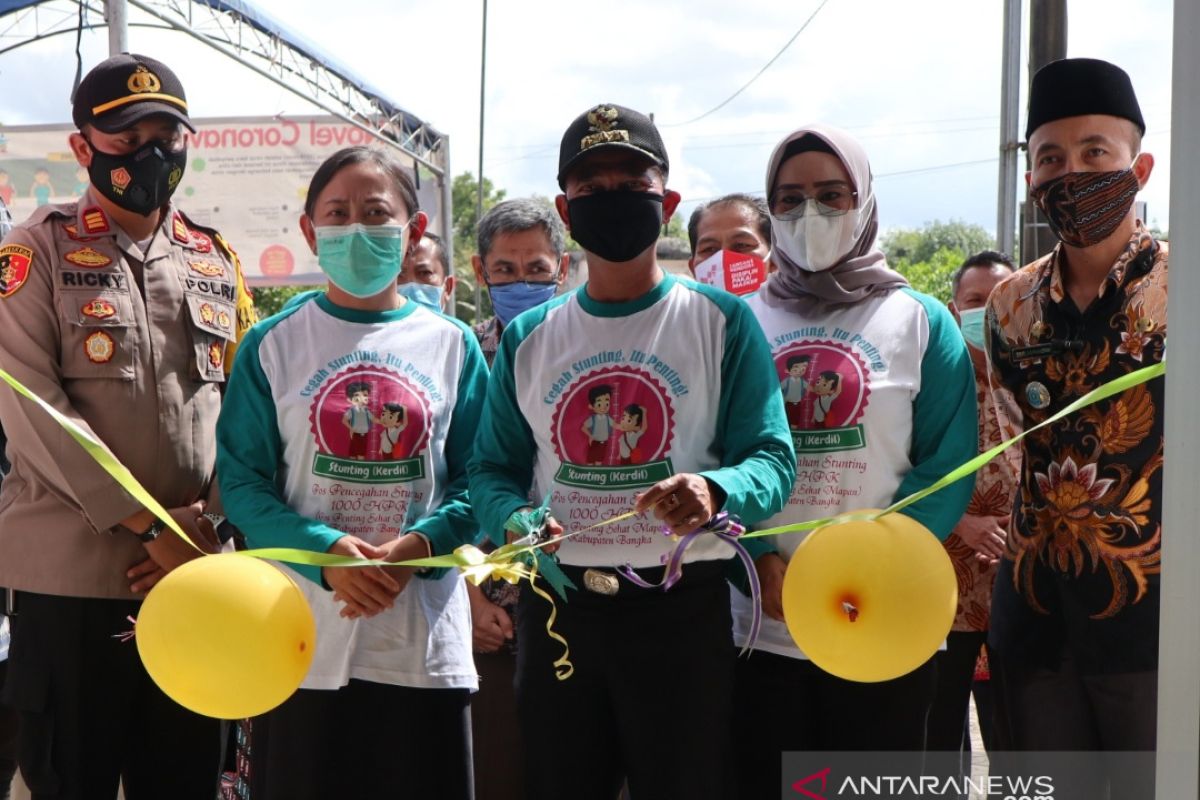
<point>88,257</point>
<point>216,355</point>
<point>207,269</point>
<point>99,347</point>
<point>15,261</point>
<point>99,309</point>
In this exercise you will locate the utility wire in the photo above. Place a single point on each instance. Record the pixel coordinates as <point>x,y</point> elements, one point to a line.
<point>757,75</point>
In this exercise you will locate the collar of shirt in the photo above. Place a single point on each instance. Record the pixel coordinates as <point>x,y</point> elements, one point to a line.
<point>1140,242</point>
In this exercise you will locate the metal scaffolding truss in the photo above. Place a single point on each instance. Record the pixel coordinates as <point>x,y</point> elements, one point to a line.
<point>246,35</point>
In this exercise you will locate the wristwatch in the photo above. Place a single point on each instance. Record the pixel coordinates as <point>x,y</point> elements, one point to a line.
<point>153,532</point>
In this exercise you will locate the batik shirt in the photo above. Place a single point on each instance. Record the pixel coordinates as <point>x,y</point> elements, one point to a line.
<point>995,486</point>
<point>1082,567</point>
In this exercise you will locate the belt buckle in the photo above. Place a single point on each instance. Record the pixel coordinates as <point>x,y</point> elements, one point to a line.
<point>600,582</point>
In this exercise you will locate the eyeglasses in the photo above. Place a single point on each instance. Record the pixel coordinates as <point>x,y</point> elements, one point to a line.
<point>831,202</point>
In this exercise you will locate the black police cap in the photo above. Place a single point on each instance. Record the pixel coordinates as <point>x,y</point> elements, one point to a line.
<point>1074,87</point>
<point>123,89</point>
<point>609,126</point>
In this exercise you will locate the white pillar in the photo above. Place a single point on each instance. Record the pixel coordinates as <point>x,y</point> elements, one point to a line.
<point>1179,651</point>
<point>116,13</point>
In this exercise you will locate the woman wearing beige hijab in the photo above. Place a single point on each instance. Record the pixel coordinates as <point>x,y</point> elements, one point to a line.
<point>888,408</point>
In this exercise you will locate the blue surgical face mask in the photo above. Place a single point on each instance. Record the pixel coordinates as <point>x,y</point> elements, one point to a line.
<point>510,299</point>
<point>361,260</point>
<point>422,294</point>
<point>972,326</point>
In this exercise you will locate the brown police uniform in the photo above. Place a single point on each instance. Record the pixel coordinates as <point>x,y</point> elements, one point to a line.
<point>130,345</point>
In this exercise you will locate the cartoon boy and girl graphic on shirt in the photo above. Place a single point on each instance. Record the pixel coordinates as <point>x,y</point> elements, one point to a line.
<point>358,418</point>
<point>599,426</point>
<point>826,389</point>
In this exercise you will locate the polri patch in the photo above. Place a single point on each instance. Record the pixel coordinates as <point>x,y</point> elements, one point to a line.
<point>88,257</point>
<point>99,347</point>
<point>15,261</point>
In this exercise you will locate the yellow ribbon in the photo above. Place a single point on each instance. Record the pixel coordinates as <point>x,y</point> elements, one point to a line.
<point>563,668</point>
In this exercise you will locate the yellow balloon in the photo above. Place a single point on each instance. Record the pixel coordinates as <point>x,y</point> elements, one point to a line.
<point>870,600</point>
<point>226,635</point>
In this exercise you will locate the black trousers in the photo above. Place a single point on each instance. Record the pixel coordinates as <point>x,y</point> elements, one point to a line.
<point>947,729</point>
<point>8,741</point>
<point>787,704</point>
<point>650,699</point>
<point>364,741</point>
<point>495,732</point>
<point>90,716</point>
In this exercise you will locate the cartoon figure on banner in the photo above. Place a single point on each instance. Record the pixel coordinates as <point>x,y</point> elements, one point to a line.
<point>794,387</point>
<point>41,189</point>
<point>598,426</point>
<point>613,417</point>
<point>81,182</point>
<point>7,192</point>
<point>825,386</point>
<point>369,413</point>
<point>358,418</point>
<point>393,419</point>
<point>631,426</point>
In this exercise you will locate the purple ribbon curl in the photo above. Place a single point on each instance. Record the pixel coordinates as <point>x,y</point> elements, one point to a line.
<point>726,527</point>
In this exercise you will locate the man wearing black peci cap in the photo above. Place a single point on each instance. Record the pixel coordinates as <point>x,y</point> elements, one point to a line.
<point>126,316</point>
<point>637,391</point>
<point>1074,629</point>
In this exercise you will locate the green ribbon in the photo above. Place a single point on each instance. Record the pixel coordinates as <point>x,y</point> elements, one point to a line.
<point>1115,386</point>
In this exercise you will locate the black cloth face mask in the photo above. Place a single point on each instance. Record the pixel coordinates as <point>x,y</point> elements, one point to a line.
<point>617,226</point>
<point>142,181</point>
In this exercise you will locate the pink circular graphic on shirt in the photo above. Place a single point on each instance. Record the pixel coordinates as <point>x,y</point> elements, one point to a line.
<point>615,416</point>
<point>370,413</point>
<point>824,385</point>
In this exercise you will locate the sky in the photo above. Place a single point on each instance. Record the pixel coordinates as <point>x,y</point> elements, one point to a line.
<point>918,83</point>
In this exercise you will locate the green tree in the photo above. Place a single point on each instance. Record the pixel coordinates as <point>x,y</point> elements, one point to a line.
<point>929,256</point>
<point>269,300</point>
<point>464,192</point>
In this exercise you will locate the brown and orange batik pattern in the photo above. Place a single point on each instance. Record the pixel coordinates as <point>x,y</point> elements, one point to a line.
<point>1083,556</point>
<point>995,486</point>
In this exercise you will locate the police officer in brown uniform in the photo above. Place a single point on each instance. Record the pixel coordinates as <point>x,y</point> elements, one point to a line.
<point>122,314</point>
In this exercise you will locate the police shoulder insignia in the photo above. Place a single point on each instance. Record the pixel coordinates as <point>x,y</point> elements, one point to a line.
<point>88,257</point>
<point>223,320</point>
<point>179,229</point>
<point>207,313</point>
<point>202,242</point>
<point>99,347</point>
<point>94,220</point>
<point>99,309</point>
<point>15,261</point>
